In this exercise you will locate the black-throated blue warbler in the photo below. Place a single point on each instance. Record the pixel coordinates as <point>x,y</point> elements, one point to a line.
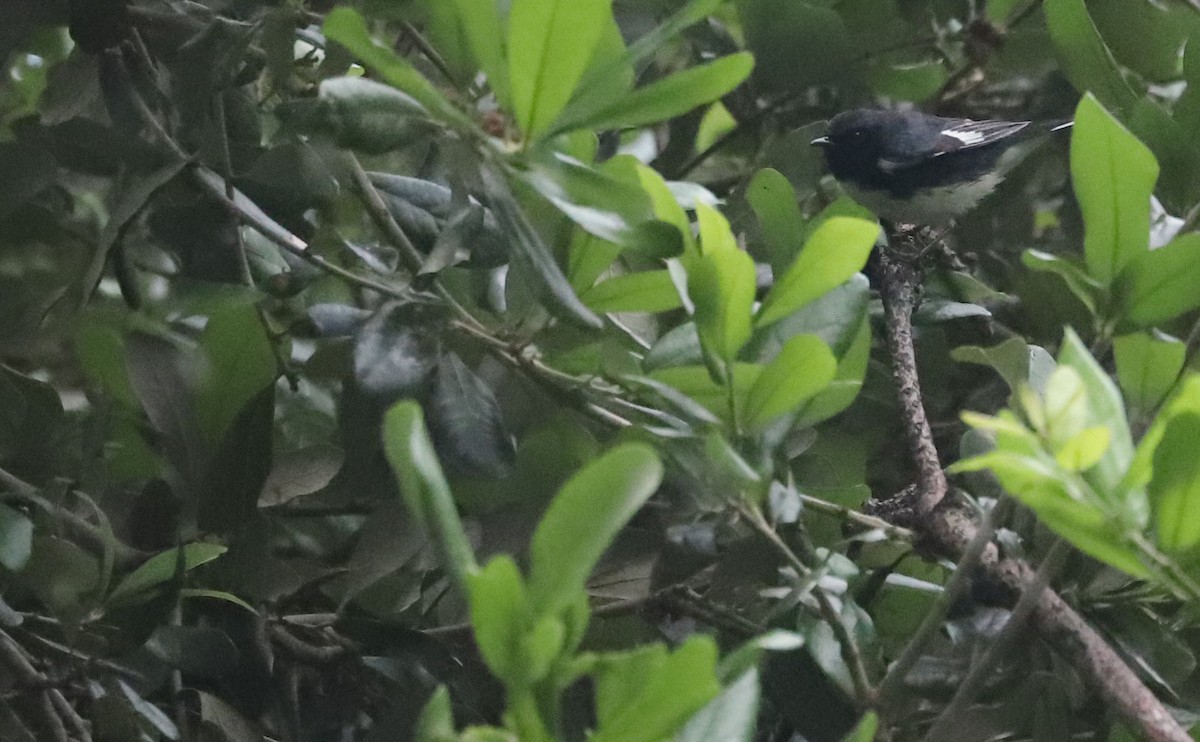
<point>914,168</point>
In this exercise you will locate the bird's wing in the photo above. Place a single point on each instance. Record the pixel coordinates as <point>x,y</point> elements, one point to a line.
<point>956,136</point>
<point>965,134</point>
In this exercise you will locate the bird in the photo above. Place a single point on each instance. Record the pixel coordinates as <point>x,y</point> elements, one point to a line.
<point>914,168</point>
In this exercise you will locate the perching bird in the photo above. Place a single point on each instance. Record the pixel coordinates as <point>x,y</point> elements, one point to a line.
<point>914,168</point>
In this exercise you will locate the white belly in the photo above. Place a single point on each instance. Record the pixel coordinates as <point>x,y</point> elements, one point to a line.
<point>930,208</point>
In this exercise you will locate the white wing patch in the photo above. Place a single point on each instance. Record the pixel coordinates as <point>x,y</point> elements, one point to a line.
<point>966,137</point>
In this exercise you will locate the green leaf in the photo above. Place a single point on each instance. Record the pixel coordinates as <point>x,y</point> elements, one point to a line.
<point>844,389</point>
<point>774,203</point>
<point>696,382</point>
<point>647,291</point>
<point>423,486</point>
<point>1084,287</point>
<point>834,252</point>
<point>1010,359</point>
<point>499,615</point>
<point>16,539</point>
<point>482,26</point>
<point>1106,408</point>
<point>803,368</point>
<point>1048,491</point>
<point>864,731</point>
<point>160,569</point>
<point>1113,174</point>
<point>1175,487</point>
<point>1148,364</point>
<point>583,519</point>
<point>667,98</point>
<point>1083,56</point>
<point>550,43</point>
<point>530,246</point>
<point>730,717</point>
<point>345,26</point>
<point>721,286</point>
<point>240,365</point>
<point>1160,285</point>
<point>674,690</point>
<point>1083,450</point>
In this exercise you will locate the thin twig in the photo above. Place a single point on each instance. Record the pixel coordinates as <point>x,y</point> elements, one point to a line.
<point>932,623</point>
<point>851,653</point>
<point>894,532</point>
<point>982,670</point>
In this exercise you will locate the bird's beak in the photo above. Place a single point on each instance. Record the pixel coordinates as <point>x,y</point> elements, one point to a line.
<point>820,142</point>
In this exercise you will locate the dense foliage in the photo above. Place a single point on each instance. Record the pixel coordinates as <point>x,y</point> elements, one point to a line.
<point>466,370</point>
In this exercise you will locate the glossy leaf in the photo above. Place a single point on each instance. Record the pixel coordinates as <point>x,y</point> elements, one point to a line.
<point>774,203</point>
<point>803,368</point>
<point>529,245</point>
<point>1148,365</point>
<point>664,99</point>
<point>647,291</point>
<point>1085,59</point>
<point>1113,174</point>
<point>582,520</point>
<point>1159,285</point>
<point>484,31</point>
<point>160,569</point>
<point>671,693</point>
<point>16,539</point>
<point>1175,488</point>
<point>424,489</point>
<point>721,285</point>
<point>500,611</point>
<point>730,717</point>
<point>832,254</point>
<point>550,43</point>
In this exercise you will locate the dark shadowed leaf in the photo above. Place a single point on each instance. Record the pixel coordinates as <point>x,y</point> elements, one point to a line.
<point>197,650</point>
<point>301,472</point>
<point>16,538</point>
<point>466,421</point>
<point>396,352</point>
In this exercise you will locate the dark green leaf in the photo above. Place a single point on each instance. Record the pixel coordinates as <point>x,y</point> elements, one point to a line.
<point>397,351</point>
<point>240,365</point>
<point>534,250</point>
<point>197,650</point>
<point>1084,58</point>
<point>466,422</point>
<point>160,569</point>
<point>16,539</point>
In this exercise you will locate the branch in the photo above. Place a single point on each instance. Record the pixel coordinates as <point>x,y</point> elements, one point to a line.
<point>851,654</point>
<point>901,280</point>
<point>951,531</point>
